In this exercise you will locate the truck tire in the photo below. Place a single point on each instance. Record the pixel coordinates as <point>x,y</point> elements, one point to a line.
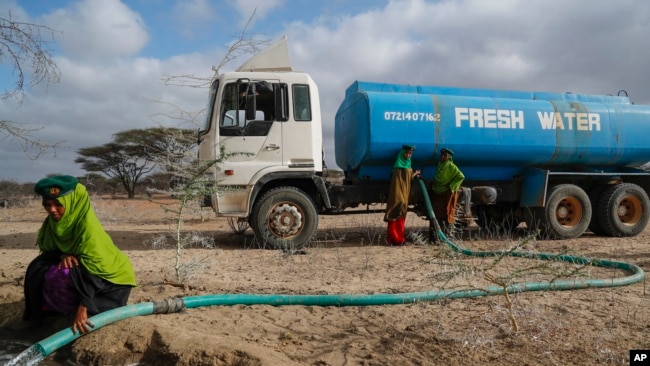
<point>284,218</point>
<point>623,210</point>
<point>567,213</point>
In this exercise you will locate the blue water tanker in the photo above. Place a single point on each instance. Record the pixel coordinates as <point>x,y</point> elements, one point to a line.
<point>495,133</point>
<point>560,162</point>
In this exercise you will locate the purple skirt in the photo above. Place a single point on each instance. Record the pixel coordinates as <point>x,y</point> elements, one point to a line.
<point>59,294</point>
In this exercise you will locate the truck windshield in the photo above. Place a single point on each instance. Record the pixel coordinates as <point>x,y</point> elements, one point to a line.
<point>249,107</point>
<point>233,104</point>
<point>210,108</point>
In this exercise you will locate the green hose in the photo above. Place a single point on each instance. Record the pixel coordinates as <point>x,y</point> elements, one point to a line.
<point>57,340</point>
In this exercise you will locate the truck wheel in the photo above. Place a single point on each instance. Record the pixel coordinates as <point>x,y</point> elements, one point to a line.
<point>284,218</point>
<point>623,210</point>
<point>567,213</point>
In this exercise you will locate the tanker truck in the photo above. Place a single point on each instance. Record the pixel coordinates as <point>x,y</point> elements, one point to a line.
<point>562,163</point>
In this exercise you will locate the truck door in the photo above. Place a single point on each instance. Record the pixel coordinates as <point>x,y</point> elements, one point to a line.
<point>303,128</point>
<point>250,130</point>
<point>254,139</point>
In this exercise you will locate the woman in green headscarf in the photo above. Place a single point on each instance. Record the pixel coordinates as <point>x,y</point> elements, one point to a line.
<point>79,270</point>
<point>398,196</point>
<point>445,189</point>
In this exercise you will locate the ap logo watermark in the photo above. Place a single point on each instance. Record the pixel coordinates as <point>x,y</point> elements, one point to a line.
<point>639,357</point>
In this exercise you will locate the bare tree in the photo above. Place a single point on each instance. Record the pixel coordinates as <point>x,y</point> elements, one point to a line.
<point>245,44</point>
<point>31,146</point>
<point>24,47</point>
<point>197,186</point>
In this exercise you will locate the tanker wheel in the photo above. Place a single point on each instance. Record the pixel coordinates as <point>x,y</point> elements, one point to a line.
<point>623,210</point>
<point>567,213</point>
<point>284,218</point>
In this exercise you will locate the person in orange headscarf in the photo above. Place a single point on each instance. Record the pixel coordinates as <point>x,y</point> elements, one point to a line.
<point>445,189</point>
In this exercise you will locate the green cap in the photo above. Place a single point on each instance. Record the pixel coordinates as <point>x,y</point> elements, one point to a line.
<point>448,151</point>
<point>55,186</point>
<point>408,147</point>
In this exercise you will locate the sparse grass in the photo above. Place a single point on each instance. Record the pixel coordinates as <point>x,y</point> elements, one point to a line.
<point>29,209</point>
<point>192,239</point>
<point>348,258</point>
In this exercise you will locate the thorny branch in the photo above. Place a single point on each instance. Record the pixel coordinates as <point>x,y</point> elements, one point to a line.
<point>246,43</point>
<point>23,46</point>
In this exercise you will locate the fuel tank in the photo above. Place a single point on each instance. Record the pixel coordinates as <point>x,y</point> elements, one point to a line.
<point>495,134</point>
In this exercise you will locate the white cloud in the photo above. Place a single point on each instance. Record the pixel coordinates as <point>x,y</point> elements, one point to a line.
<point>96,30</point>
<point>92,103</point>
<point>245,8</point>
<point>11,7</point>
<point>473,43</point>
<point>586,46</point>
<point>191,16</point>
<point>577,46</point>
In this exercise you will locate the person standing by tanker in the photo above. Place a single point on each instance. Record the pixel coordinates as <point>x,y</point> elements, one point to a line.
<point>444,189</point>
<point>398,196</point>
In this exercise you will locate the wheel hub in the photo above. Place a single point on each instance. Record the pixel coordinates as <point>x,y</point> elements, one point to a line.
<point>630,210</point>
<point>286,220</point>
<point>562,213</point>
<point>569,212</point>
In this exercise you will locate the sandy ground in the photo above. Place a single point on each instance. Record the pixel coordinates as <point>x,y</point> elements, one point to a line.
<point>581,327</point>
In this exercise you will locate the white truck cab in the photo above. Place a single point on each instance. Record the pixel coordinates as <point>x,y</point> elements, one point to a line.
<point>266,119</point>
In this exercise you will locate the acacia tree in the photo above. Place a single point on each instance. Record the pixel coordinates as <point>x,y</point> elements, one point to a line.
<point>134,153</point>
<point>24,47</point>
<point>167,147</point>
<point>123,162</point>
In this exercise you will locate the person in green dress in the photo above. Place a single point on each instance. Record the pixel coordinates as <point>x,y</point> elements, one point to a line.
<point>444,187</point>
<point>79,269</point>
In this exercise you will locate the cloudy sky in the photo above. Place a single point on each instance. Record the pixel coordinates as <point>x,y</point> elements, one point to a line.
<point>113,56</point>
